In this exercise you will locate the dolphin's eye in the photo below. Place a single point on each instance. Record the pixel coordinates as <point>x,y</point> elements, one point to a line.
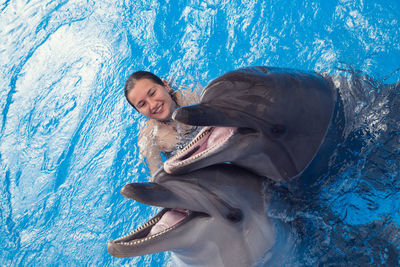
<point>235,216</point>
<point>278,130</point>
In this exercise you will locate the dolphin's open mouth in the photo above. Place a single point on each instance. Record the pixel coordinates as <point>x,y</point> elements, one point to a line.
<point>163,222</point>
<point>208,141</point>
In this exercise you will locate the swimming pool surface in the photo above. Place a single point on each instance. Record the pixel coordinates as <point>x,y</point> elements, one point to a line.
<point>68,137</point>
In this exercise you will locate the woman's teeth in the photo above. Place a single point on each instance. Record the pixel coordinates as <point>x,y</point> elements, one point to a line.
<point>158,109</point>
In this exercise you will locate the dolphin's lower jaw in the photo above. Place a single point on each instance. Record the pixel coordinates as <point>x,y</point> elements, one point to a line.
<point>209,141</point>
<point>143,240</point>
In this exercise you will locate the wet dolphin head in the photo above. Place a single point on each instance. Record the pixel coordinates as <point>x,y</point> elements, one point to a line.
<point>268,120</point>
<point>215,216</point>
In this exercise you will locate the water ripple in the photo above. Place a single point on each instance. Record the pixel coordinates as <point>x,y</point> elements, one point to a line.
<point>68,137</point>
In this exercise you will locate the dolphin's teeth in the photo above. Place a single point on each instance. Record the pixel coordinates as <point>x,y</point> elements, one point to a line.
<point>147,238</point>
<point>139,241</point>
<point>140,228</point>
<point>201,154</point>
<point>197,156</point>
<point>193,142</point>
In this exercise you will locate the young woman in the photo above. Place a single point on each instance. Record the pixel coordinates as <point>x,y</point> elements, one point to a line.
<point>156,100</point>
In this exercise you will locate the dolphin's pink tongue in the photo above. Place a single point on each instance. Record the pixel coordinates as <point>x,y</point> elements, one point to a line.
<point>219,133</point>
<point>170,218</point>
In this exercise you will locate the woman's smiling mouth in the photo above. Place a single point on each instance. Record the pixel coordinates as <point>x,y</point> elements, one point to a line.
<point>159,109</point>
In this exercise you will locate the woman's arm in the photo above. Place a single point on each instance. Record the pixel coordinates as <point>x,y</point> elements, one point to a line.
<point>150,153</point>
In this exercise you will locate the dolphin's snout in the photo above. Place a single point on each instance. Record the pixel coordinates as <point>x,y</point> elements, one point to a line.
<point>201,115</point>
<point>180,115</point>
<point>140,191</point>
<point>112,249</point>
<point>190,114</point>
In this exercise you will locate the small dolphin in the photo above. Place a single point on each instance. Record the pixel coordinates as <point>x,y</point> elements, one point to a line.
<point>215,216</point>
<point>271,121</point>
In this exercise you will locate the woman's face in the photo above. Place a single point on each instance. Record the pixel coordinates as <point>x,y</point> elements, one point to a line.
<point>151,99</point>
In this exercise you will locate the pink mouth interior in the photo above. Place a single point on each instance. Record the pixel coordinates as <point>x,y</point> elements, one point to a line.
<point>209,140</point>
<point>169,219</point>
<point>216,134</point>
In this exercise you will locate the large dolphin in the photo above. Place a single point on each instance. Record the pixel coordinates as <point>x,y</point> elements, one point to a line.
<point>271,121</point>
<point>215,216</point>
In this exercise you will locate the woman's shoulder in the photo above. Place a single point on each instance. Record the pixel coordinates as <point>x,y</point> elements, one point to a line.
<point>157,135</point>
<point>147,133</point>
<point>145,127</point>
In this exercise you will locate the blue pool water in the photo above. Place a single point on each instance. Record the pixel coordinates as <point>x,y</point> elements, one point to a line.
<point>68,137</point>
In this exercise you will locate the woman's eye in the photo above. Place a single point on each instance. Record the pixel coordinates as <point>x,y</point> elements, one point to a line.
<point>152,92</point>
<point>140,105</point>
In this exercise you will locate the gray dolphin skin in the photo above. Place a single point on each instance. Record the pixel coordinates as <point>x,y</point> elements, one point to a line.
<point>215,216</point>
<point>270,121</point>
